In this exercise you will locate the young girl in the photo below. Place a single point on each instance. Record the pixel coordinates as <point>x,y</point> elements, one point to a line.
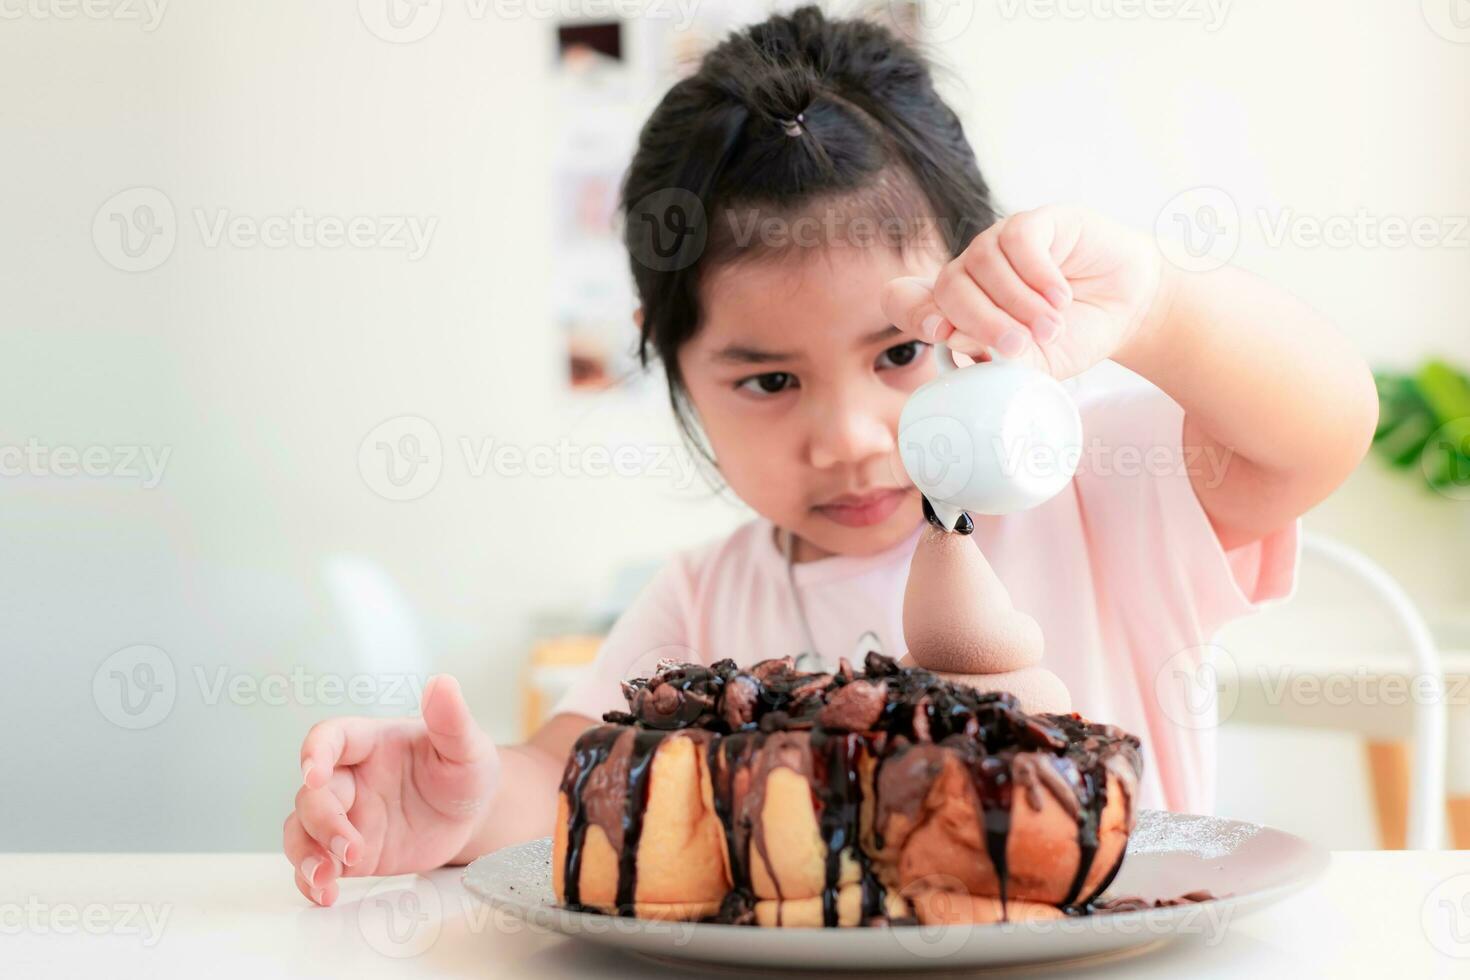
<point>805,218</point>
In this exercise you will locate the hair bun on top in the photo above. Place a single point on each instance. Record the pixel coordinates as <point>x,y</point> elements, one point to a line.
<point>775,97</point>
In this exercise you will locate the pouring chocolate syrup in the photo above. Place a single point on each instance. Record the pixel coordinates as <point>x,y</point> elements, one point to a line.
<point>963,524</point>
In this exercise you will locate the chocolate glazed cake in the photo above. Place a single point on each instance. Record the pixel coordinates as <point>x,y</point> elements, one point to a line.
<point>775,797</point>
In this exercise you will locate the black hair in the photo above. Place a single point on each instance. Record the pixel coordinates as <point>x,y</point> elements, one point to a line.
<point>796,113</point>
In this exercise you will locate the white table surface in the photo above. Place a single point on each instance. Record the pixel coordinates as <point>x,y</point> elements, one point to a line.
<point>1374,914</point>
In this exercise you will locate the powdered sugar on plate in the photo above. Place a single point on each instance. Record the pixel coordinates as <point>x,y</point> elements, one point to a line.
<point>1160,832</point>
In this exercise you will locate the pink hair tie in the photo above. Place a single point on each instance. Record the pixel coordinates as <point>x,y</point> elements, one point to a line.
<point>793,127</point>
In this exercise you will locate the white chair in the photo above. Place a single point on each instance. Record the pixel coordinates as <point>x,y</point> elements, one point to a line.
<point>1421,721</point>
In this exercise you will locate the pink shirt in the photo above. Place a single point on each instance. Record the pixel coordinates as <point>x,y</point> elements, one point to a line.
<point>1122,570</point>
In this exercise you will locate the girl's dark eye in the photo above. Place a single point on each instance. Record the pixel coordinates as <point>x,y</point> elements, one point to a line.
<point>901,355</point>
<point>770,383</point>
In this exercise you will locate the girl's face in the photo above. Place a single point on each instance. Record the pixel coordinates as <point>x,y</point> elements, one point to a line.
<point>798,380</point>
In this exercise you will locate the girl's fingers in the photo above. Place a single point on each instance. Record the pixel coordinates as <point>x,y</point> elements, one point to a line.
<point>336,742</point>
<point>453,732</point>
<point>993,272</point>
<point>324,819</point>
<point>976,317</point>
<point>325,895</point>
<point>908,303</point>
<point>343,785</point>
<point>312,862</point>
<point>1032,242</point>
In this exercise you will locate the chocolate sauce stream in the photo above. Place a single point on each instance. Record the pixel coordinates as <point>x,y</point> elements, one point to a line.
<point>640,767</point>
<point>963,525</point>
<point>840,793</point>
<point>590,751</point>
<point>728,756</point>
<point>722,784</point>
<point>993,784</point>
<point>1090,903</point>
<point>1089,823</point>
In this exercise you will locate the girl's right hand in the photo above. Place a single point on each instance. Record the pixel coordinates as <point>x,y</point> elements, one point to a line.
<point>384,796</point>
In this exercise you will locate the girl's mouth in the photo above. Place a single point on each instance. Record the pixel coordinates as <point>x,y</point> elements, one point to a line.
<point>863,510</point>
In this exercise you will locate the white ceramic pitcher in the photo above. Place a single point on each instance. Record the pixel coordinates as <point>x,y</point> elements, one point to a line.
<point>993,437</point>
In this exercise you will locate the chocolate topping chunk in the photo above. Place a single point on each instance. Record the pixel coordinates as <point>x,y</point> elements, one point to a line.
<point>742,696</point>
<point>876,665</point>
<point>773,668</point>
<point>814,686</point>
<point>919,720</point>
<point>738,908</point>
<point>855,707</point>
<point>678,696</point>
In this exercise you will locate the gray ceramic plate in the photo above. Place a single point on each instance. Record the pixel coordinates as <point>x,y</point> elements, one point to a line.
<point>1169,854</point>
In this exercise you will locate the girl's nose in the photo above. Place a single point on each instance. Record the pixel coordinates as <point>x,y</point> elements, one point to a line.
<point>845,431</point>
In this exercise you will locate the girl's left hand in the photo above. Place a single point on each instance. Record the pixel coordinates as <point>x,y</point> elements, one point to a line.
<point>1061,288</point>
